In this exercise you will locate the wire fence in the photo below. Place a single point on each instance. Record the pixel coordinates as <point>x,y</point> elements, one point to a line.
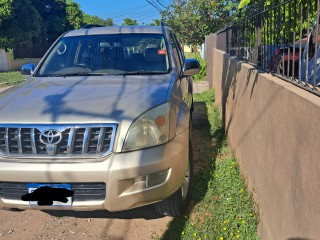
<point>282,39</point>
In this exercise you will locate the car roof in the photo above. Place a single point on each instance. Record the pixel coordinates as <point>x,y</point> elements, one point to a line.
<point>114,30</point>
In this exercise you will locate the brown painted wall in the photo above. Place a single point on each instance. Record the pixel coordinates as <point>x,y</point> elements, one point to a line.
<point>15,64</point>
<point>273,127</point>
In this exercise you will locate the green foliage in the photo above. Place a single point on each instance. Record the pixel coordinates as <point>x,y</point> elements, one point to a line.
<point>74,15</point>
<point>229,206</point>
<point>288,26</point>
<point>5,9</point>
<point>92,19</point>
<point>308,7</point>
<point>108,22</point>
<point>222,208</point>
<point>129,21</point>
<point>207,97</point>
<point>10,78</point>
<point>21,26</point>
<point>192,20</point>
<point>201,76</point>
<point>156,22</point>
<point>38,23</point>
<point>53,21</point>
<point>243,3</point>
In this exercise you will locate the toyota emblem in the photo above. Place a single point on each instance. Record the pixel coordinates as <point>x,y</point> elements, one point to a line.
<point>50,137</point>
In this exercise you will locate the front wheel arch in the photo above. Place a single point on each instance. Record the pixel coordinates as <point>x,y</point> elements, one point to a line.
<point>177,204</point>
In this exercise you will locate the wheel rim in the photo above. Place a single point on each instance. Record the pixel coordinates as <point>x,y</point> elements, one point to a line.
<point>186,182</point>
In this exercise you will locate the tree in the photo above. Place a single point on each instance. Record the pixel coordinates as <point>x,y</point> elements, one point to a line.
<point>5,9</point>
<point>33,25</point>
<point>108,22</point>
<point>283,21</point>
<point>156,22</point>
<point>54,20</point>
<point>21,25</point>
<point>92,19</point>
<point>74,15</point>
<point>192,20</point>
<point>129,21</point>
<point>243,3</point>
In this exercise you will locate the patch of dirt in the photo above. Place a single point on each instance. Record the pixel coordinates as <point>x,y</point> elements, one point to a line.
<point>141,223</point>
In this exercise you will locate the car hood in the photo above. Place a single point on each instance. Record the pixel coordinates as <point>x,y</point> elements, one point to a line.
<point>89,99</point>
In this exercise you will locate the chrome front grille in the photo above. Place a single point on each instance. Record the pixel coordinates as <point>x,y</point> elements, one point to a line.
<point>23,141</point>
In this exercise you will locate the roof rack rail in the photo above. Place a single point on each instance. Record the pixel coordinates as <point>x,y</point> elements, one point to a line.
<point>87,26</point>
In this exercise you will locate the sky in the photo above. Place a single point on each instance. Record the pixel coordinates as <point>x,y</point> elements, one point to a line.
<point>140,10</point>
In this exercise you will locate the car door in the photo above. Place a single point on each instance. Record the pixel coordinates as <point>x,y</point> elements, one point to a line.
<point>310,63</point>
<point>184,83</point>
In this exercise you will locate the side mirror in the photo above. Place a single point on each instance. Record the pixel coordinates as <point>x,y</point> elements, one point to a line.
<point>28,69</point>
<point>191,66</point>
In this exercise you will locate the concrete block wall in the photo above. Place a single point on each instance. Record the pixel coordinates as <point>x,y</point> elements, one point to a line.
<point>273,129</point>
<point>9,64</point>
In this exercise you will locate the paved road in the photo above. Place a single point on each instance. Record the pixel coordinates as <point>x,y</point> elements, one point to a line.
<point>3,88</point>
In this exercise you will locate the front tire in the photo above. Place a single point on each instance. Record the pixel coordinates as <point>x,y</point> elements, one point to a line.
<point>177,203</point>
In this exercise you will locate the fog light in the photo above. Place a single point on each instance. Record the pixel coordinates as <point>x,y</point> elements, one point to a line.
<point>157,178</point>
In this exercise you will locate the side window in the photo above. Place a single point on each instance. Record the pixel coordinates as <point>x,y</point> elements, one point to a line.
<point>314,37</point>
<point>180,46</point>
<point>176,52</point>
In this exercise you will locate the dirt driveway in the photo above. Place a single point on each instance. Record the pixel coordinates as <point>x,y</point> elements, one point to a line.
<point>142,223</point>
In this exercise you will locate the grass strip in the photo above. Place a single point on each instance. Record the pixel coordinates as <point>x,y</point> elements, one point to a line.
<point>10,78</point>
<point>221,206</point>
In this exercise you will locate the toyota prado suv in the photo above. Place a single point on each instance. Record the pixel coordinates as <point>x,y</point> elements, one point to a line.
<point>102,122</point>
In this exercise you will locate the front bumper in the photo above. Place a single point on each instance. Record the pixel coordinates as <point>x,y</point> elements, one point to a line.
<point>123,173</point>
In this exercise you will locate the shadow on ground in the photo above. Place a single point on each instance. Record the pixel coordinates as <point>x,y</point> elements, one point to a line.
<point>205,148</point>
<point>146,212</point>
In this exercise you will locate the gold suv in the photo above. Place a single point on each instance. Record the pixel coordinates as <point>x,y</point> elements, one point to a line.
<point>103,122</point>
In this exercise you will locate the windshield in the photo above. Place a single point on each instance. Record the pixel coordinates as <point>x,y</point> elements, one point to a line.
<point>107,54</point>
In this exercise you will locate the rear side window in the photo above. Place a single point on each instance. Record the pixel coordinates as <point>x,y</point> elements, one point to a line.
<point>107,54</point>
<point>176,51</point>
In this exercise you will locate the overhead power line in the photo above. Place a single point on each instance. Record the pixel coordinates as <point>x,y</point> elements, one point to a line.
<point>127,11</point>
<point>154,5</point>
<point>161,3</point>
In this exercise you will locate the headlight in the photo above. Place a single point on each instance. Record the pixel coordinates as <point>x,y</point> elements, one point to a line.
<point>150,129</point>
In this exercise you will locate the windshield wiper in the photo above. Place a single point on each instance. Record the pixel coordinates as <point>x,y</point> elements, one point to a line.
<point>142,72</point>
<point>75,74</point>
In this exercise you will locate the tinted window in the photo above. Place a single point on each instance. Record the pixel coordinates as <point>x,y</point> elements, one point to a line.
<point>176,51</point>
<point>180,47</point>
<point>107,54</point>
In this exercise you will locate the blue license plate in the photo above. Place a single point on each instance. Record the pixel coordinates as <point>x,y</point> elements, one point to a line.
<point>33,186</point>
